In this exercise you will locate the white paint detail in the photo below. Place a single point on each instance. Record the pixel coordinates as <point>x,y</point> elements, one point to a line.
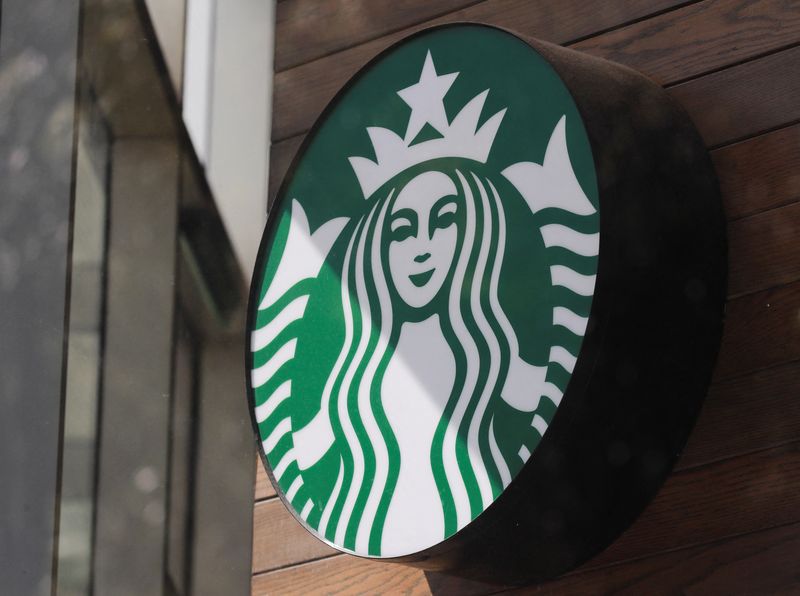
<point>561,356</point>
<point>238,108</point>
<point>586,245</point>
<point>552,184</point>
<point>287,460</point>
<point>497,456</point>
<point>460,138</point>
<point>421,196</point>
<point>313,440</point>
<point>328,510</point>
<point>505,325</point>
<point>293,488</point>
<point>364,389</point>
<point>264,336</point>
<point>539,424</point>
<point>283,428</point>
<point>473,448</point>
<point>452,472</point>
<point>552,393</point>
<point>344,414</point>
<point>524,385</point>
<point>266,371</point>
<point>198,61</point>
<point>568,319</point>
<point>524,453</point>
<point>278,396</point>
<point>572,280</point>
<point>415,390</point>
<point>307,509</point>
<point>425,98</point>
<point>304,253</point>
<point>524,382</point>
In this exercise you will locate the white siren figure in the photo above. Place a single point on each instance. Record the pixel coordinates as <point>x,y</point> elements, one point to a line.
<point>442,232</point>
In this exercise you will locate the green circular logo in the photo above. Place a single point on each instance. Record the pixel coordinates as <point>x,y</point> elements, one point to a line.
<point>423,290</point>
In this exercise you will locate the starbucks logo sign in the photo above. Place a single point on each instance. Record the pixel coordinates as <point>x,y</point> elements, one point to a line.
<point>423,291</point>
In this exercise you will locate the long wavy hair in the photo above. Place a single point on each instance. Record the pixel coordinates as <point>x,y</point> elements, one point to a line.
<point>469,470</point>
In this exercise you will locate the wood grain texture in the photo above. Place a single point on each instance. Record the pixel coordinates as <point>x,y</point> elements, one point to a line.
<point>281,156</point>
<point>764,250</point>
<point>301,93</point>
<point>758,411</point>
<point>309,29</point>
<point>744,100</point>
<point>763,562</point>
<point>279,540</point>
<point>263,488</point>
<point>713,502</point>
<point>671,47</point>
<point>761,330</point>
<point>722,500</point>
<point>699,38</point>
<point>344,574</point>
<point>759,173</point>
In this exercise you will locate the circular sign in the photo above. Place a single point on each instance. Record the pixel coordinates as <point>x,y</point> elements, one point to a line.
<point>422,295</point>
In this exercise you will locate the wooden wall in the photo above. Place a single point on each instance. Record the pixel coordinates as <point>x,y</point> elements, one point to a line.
<point>728,519</point>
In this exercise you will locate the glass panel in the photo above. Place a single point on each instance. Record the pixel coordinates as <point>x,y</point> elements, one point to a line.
<point>84,351</point>
<point>38,53</point>
<point>157,480</point>
<point>180,475</point>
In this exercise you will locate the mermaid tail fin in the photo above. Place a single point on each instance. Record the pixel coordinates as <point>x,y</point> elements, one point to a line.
<point>302,258</point>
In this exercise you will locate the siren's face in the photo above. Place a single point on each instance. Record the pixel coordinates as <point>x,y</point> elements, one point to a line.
<point>423,237</point>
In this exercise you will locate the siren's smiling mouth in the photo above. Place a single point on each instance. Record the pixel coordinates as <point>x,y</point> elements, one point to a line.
<point>420,279</point>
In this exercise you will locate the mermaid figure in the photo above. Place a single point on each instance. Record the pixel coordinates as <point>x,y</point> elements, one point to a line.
<point>429,364</point>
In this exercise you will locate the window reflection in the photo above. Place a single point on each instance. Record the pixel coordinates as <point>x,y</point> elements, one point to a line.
<point>157,455</point>
<point>84,346</point>
<point>184,415</point>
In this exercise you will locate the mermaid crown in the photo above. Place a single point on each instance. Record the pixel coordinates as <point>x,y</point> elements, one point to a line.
<point>460,138</point>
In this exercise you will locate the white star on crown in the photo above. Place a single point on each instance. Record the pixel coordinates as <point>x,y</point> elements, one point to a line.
<point>460,138</point>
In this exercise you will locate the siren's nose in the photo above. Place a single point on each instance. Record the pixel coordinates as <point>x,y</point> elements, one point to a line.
<point>422,258</point>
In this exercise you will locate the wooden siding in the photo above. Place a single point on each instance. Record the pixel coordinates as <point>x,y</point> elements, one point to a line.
<point>728,519</point>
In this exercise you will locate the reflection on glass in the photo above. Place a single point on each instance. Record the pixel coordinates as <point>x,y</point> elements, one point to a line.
<point>181,473</point>
<point>157,459</point>
<point>84,356</point>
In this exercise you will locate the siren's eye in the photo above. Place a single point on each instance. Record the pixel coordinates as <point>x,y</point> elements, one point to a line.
<point>443,214</point>
<point>403,224</point>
